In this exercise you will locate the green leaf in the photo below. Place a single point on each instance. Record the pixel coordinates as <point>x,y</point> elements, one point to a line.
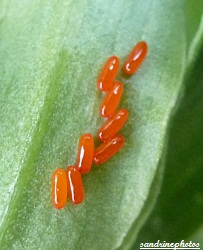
<point>181,195</point>
<point>50,56</point>
<point>197,237</point>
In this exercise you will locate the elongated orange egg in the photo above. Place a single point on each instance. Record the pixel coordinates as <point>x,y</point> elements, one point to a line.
<point>59,188</point>
<point>111,100</point>
<point>108,73</point>
<point>135,58</point>
<point>75,185</point>
<point>85,153</point>
<point>113,124</point>
<point>108,148</point>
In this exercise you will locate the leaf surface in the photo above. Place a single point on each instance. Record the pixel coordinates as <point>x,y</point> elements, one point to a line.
<point>180,205</point>
<point>50,56</point>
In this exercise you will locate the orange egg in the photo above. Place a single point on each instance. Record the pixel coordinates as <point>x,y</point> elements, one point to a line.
<point>85,153</point>
<point>75,185</point>
<point>108,148</point>
<point>59,188</point>
<point>111,100</point>
<point>113,124</point>
<point>108,73</point>
<point>135,58</point>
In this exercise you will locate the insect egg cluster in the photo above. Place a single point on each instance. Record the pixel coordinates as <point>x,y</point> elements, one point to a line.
<point>68,183</point>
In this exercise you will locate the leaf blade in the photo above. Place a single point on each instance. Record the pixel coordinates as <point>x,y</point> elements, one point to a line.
<point>71,105</point>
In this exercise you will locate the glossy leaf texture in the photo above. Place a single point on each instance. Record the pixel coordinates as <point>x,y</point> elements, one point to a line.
<point>51,54</point>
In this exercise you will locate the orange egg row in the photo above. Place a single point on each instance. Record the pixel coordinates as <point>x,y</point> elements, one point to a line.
<point>68,183</point>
